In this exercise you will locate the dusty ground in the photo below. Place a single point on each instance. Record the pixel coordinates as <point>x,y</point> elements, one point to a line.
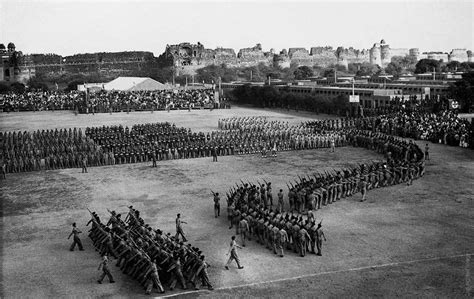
<point>404,241</point>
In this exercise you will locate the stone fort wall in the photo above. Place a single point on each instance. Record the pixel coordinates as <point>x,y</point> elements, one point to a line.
<point>186,55</point>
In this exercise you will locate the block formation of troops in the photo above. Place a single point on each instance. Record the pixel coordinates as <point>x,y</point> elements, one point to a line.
<point>148,255</point>
<point>252,211</point>
<point>46,149</point>
<point>256,134</point>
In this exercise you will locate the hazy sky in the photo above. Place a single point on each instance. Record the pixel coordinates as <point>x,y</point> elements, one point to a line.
<point>69,27</point>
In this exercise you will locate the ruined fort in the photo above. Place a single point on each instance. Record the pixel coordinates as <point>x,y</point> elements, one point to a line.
<point>186,58</point>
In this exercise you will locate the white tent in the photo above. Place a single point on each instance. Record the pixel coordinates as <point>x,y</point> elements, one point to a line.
<point>134,84</point>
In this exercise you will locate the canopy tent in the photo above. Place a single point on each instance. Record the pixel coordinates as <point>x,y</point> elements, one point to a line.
<point>135,84</point>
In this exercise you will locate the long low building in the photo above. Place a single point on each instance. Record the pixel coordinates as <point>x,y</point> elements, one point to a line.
<point>407,89</point>
<point>368,97</point>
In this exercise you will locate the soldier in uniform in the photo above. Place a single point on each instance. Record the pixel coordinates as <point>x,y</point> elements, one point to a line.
<point>233,254</point>
<point>320,236</point>
<point>76,240</point>
<point>179,229</point>
<point>244,230</point>
<point>84,164</point>
<point>176,274</point>
<point>105,270</point>
<point>283,240</point>
<point>154,279</point>
<point>363,188</point>
<point>217,205</point>
<point>269,194</point>
<point>304,239</point>
<point>280,202</point>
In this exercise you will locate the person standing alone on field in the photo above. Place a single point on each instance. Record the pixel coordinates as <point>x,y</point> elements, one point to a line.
<point>217,205</point>
<point>76,240</point>
<point>84,164</point>
<point>363,188</point>
<point>214,154</point>
<point>427,152</point>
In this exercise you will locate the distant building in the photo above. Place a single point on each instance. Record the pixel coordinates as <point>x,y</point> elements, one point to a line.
<point>9,68</point>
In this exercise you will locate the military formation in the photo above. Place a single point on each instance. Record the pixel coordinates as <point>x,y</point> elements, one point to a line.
<point>282,223</point>
<point>256,134</point>
<point>110,145</point>
<point>47,149</point>
<point>151,257</point>
<point>293,226</point>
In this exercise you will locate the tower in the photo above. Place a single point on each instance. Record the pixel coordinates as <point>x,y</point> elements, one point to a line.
<point>385,56</point>
<point>414,52</point>
<point>375,56</point>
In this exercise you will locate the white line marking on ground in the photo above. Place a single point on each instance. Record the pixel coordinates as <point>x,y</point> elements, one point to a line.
<point>468,274</point>
<point>333,272</point>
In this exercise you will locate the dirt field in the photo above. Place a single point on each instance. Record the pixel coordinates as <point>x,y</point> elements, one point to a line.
<point>405,241</point>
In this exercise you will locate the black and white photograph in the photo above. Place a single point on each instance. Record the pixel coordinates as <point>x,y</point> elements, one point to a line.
<point>236,149</point>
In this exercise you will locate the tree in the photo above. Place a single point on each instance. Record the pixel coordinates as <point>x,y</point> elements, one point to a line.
<point>4,88</point>
<point>73,85</point>
<point>303,72</point>
<point>17,87</point>
<point>463,91</point>
<point>467,66</point>
<point>367,69</point>
<point>453,66</point>
<point>427,65</point>
<point>34,84</point>
<point>394,69</point>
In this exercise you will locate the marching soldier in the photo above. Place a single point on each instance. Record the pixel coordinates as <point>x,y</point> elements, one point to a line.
<point>154,279</point>
<point>179,228</point>
<point>233,254</point>
<point>105,270</point>
<point>320,236</point>
<point>76,240</point>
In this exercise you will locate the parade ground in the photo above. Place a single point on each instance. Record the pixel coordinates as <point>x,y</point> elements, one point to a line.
<point>404,241</point>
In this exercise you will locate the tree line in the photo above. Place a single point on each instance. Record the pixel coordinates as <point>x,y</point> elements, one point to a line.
<point>271,97</point>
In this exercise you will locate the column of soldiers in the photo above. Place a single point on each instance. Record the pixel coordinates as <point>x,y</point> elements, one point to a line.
<point>47,149</point>
<point>148,255</point>
<point>250,207</point>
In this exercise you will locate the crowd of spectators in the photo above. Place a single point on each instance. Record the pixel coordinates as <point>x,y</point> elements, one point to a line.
<point>41,100</point>
<point>444,127</point>
<point>116,101</point>
<point>109,101</point>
